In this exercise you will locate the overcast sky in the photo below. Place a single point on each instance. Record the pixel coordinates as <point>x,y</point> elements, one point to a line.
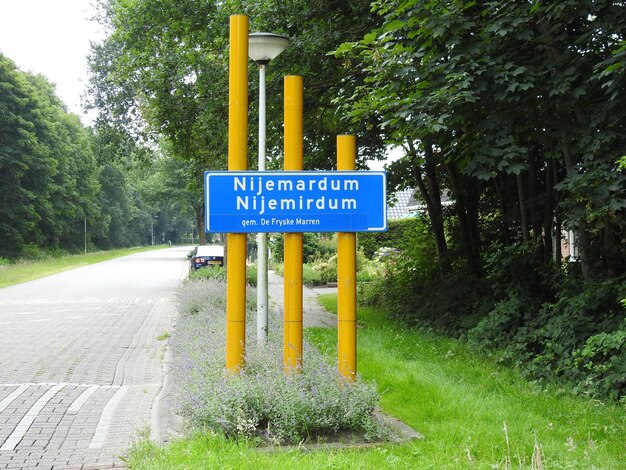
<point>51,37</point>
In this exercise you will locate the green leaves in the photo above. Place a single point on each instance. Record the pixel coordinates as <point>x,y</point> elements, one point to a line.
<point>47,172</point>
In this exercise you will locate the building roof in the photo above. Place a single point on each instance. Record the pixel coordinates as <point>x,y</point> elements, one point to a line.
<point>399,202</point>
<point>405,203</point>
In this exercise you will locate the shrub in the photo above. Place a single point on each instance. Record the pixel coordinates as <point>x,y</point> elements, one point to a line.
<point>310,276</point>
<point>412,291</point>
<point>261,400</point>
<point>399,235</point>
<point>602,362</point>
<point>213,272</point>
<point>219,273</point>
<point>276,243</point>
<point>578,338</point>
<point>327,270</point>
<point>315,246</point>
<point>251,274</point>
<point>318,246</point>
<point>33,252</point>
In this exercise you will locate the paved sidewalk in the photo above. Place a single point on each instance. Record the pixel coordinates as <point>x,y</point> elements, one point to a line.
<point>313,314</point>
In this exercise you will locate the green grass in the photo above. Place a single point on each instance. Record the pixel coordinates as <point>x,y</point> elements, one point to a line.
<point>24,271</point>
<point>163,336</point>
<point>473,413</point>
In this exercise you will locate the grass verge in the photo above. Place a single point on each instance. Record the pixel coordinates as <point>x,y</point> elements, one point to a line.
<point>473,413</point>
<point>24,271</point>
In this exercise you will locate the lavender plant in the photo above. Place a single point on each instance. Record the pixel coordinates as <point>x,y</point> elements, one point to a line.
<point>261,400</point>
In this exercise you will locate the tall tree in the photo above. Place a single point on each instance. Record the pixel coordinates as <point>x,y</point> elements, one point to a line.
<point>163,70</point>
<point>19,152</point>
<point>48,175</point>
<point>519,101</point>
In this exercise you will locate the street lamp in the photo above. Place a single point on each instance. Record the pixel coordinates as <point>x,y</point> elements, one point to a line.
<point>263,47</point>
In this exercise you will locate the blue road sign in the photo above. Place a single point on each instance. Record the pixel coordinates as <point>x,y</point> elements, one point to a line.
<point>295,201</point>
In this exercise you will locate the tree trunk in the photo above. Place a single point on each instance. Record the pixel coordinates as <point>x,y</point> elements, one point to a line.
<point>548,216</point>
<point>609,242</point>
<point>199,213</point>
<point>466,198</point>
<point>430,191</point>
<point>473,201</point>
<point>504,209</point>
<point>581,235</point>
<point>570,162</point>
<point>536,221</point>
<point>558,220</point>
<point>523,216</point>
<point>533,179</point>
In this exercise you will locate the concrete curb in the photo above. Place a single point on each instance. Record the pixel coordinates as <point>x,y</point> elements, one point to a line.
<point>165,425</point>
<point>400,432</point>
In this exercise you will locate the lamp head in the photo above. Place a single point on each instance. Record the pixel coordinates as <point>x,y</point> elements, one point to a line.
<point>263,47</point>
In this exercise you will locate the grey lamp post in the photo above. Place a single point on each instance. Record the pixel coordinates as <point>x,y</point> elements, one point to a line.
<point>263,47</point>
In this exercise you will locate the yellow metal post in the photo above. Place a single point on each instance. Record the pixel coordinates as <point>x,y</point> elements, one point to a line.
<point>292,352</point>
<point>237,161</point>
<point>346,274</point>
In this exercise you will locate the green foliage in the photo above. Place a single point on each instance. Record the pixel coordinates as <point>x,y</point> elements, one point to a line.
<point>474,413</point>
<point>315,247</point>
<point>162,74</point>
<point>261,400</point>
<point>47,171</point>
<point>276,244</point>
<point>57,176</point>
<point>400,235</point>
<point>327,270</point>
<point>601,363</point>
<point>422,299</point>
<point>214,272</point>
<point>410,288</point>
<point>311,277</point>
<point>576,338</point>
<point>218,273</point>
<point>318,246</point>
<point>463,88</point>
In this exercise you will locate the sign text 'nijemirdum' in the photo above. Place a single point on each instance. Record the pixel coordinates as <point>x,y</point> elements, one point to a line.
<point>302,201</point>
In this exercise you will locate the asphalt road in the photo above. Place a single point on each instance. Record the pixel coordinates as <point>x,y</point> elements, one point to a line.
<point>80,362</point>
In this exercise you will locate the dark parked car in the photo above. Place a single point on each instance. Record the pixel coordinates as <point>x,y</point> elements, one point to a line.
<point>206,255</point>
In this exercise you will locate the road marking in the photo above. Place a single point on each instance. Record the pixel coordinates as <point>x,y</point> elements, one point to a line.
<point>41,319</point>
<point>80,401</point>
<point>50,384</point>
<point>16,393</point>
<point>73,318</point>
<point>18,433</point>
<point>24,313</point>
<point>99,437</point>
<point>114,300</point>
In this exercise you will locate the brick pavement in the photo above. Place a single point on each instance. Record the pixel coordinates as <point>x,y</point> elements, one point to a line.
<point>80,368</point>
<point>313,314</point>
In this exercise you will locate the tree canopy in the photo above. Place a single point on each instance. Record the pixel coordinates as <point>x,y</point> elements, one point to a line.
<point>64,185</point>
<point>48,174</point>
<point>516,107</point>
